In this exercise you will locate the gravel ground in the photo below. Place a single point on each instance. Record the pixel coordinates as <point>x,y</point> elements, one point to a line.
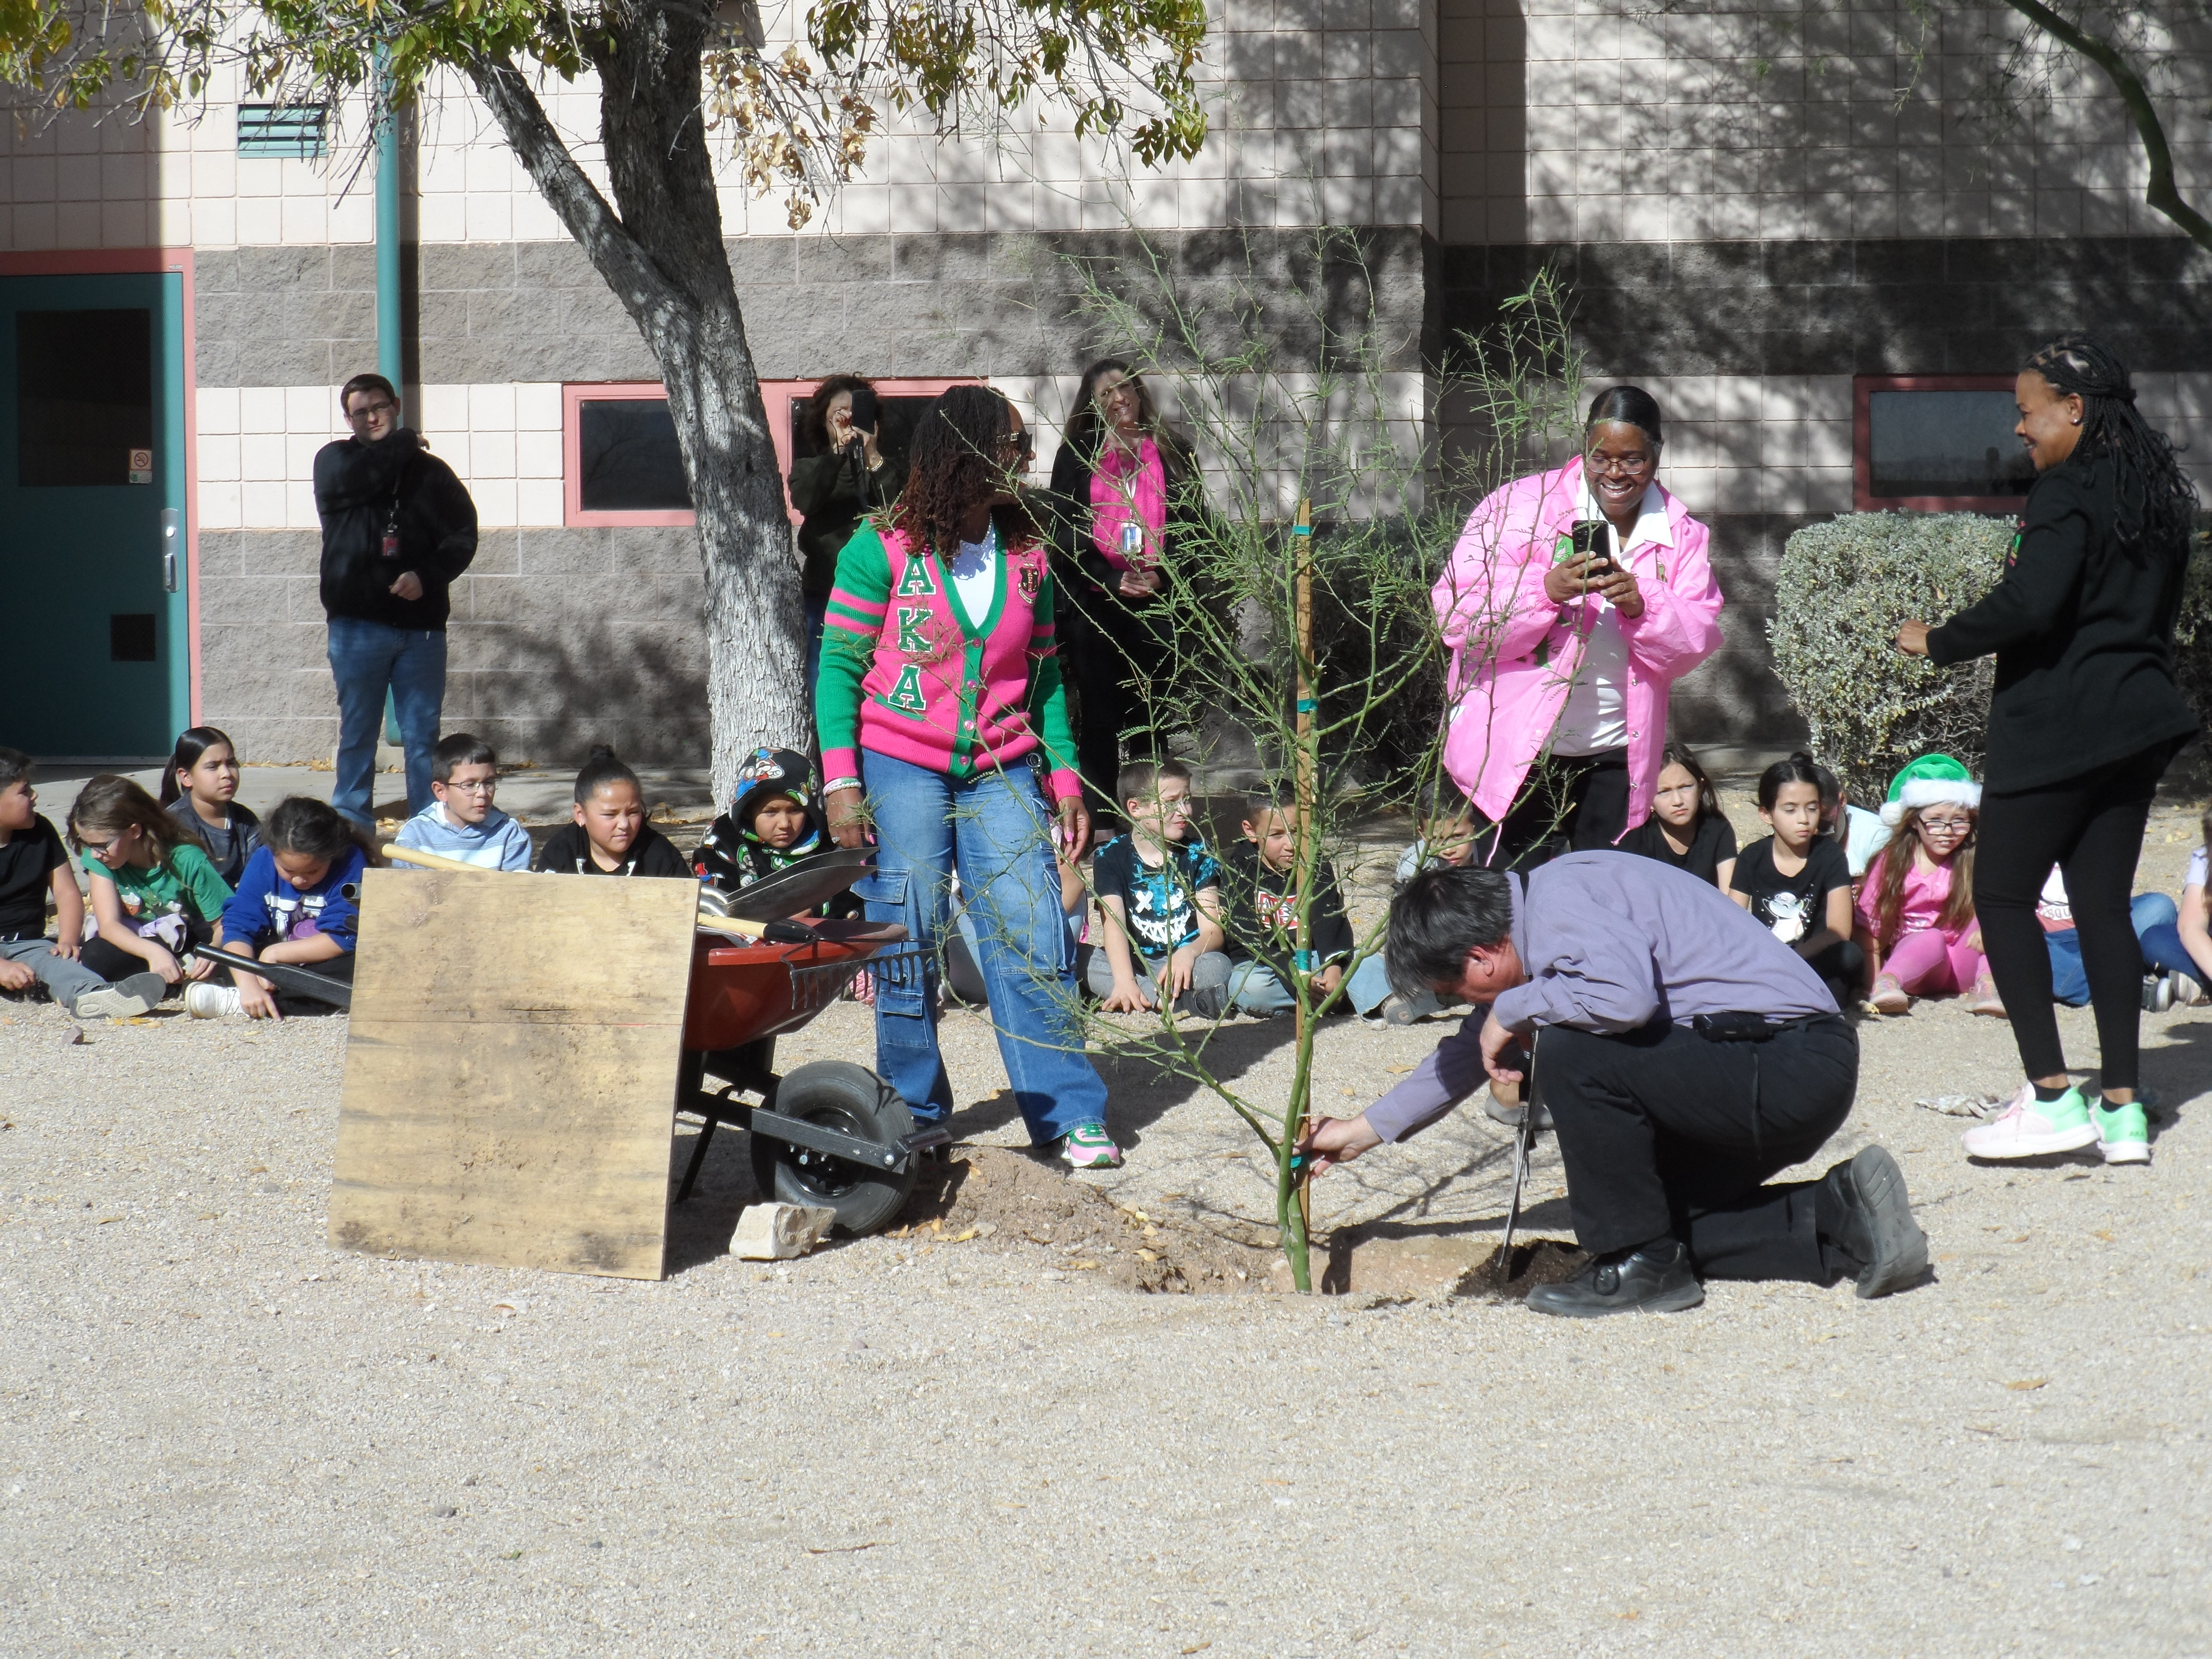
<point>220,1436</point>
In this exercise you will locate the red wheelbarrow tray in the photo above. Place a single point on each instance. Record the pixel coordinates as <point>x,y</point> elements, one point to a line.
<point>741,993</point>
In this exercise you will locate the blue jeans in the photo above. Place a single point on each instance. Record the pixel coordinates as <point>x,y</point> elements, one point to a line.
<point>1258,989</point>
<point>367,658</point>
<point>2153,915</point>
<point>994,830</point>
<point>817,618</point>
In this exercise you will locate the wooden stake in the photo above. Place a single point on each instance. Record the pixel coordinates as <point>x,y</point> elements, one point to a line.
<point>1301,544</point>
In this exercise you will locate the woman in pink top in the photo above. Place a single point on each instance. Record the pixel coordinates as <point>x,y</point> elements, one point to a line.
<point>1916,908</point>
<point>1573,601</point>
<point>1119,487</point>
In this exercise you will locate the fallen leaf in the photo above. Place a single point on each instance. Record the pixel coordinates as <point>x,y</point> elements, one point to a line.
<point>1201,1647</point>
<point>1080,1266</point>
<point>1633,1613</point>
<point>105,1219</point>
<point>1397,1071</point>
<point>505,1307</point>
<point>2026,1383</point>
<point>845,1549</point>
<point>2101,1233</point>
<point>776,1333</point>
<point>1148,1255</point>
<point>962,1238</point>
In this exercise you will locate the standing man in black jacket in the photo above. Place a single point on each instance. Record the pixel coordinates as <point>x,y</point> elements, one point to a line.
<point>2083,719</point>
<point>398,528</point>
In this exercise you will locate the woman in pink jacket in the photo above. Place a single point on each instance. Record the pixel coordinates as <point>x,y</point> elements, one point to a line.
<point>1574,600</point>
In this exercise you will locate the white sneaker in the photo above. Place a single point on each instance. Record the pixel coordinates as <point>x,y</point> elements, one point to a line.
<point>2186,991</point>
<point>205,999</point>
<point>2033,1129</point>
<point>124,1000</point>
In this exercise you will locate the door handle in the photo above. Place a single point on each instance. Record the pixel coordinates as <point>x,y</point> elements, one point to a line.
<point>171,523</point>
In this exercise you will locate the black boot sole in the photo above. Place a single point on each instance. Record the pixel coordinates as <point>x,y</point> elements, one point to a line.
<point>1899,1248</point>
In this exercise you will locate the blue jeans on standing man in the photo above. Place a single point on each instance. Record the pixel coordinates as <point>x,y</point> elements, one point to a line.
<point>366,658</point>
<point>995,831</point>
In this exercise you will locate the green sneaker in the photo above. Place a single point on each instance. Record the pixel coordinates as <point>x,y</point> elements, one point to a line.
<point>1088,1146</point>
<point>2033,1129</point>
<point>2122,1133</point>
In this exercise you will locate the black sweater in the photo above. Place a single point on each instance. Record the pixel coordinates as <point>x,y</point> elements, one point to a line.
<point>830,509</point>
<point>2082,627</point>
<point>360,488</point>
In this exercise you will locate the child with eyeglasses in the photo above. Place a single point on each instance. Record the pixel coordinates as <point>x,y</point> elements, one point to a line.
<point>1916,909</point>
<point>460,822</point>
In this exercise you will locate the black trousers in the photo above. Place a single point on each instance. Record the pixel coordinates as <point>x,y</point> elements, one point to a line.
<point>1567,802</point>
<point>2092,828</point>
<point>1115,655</point>
<point>1665,1134</point>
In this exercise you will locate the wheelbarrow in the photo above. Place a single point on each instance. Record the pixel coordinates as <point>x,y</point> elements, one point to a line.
<point>831,1133</point>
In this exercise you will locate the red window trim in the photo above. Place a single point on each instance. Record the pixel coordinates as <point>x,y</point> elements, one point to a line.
<point>780,395</point>
<point>1863,387</point>
<point>573,398</point>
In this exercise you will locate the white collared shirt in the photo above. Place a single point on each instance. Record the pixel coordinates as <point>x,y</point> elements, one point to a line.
<point>1594,717</point>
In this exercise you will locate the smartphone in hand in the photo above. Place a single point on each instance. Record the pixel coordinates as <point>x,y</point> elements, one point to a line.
<point>1594,538</point>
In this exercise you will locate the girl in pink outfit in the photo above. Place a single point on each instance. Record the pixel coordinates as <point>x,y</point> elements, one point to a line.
<point>1574,600</point>
<point>1916,908</point>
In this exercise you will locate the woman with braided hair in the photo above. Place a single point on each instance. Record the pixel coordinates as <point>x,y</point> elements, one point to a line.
<point>939,703</point>
<point>2084,718</point>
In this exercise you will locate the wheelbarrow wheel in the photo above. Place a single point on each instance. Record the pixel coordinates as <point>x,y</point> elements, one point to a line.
<point>837,1095</point>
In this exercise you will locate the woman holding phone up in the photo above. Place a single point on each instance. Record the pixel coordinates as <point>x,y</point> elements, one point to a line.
<point>1573,602</point>
<point>847,478</point>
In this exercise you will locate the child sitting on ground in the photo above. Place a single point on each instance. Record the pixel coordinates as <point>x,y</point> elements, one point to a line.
<point>1795,881</point>
<point>34,863</point>
<point>1262,876</point>
<point>1161,893</point>
<point>1915,909</point>
<point>1686,828</point>
<point>154,893</point>
<point>773,822</point>
<point>610,837</point>
<point>1445,830</point>
<point>200,787</point>
<point>299,901</point>
<point>2150,914</point>
<point>461,823</point>
<point>2178,947</point>
<point>1860,833</point>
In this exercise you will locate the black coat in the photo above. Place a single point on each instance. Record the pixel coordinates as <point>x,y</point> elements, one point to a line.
<point>1081,575</point>
<point>2082,626</point>
<point>830,509</point>
<point>358,485</point>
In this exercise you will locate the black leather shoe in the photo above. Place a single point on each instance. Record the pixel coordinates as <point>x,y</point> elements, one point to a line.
<point>1876,1225</point>
<point>1640,1281</point>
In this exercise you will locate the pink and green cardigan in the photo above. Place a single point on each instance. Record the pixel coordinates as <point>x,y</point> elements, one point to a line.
<point>906,673</point>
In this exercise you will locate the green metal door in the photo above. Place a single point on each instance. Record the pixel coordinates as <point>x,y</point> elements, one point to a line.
<point>92,515</point>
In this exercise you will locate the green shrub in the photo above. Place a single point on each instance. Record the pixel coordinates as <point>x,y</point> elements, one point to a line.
<point>1843,588</point>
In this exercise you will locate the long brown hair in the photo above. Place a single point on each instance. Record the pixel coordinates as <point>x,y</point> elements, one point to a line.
<point>955,463</point>
<point>115,803</point>
<point>1086,425</point>
<point>1889,890</point>
<point>814,413</point>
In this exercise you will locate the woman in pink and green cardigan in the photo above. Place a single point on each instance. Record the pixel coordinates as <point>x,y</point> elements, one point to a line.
<point>939,703</point>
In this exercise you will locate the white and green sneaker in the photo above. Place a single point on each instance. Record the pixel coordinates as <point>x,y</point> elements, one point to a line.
<point>1088,1146</point>
<point>2033,1129</point>
<point>2122,1133</point>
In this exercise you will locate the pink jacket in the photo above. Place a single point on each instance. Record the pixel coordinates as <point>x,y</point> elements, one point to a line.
<point>1514,652</point>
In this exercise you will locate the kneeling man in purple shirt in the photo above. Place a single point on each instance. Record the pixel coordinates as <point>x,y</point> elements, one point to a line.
<point>1687,1056</point>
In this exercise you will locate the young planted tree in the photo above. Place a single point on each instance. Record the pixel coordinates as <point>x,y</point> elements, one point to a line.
<point>684,86</point>
<point>1297,606</point>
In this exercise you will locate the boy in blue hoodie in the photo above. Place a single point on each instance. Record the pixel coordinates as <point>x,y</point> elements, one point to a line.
<point>462,823</point>
<point>298,900</point>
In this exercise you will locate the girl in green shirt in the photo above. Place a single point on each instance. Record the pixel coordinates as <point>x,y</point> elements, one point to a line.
<point>154,892</point>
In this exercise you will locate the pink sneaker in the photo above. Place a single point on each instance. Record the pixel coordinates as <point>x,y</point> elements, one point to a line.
<point>1088,1146</point>
<point>1889,996</point>
<point>2033,1129</point>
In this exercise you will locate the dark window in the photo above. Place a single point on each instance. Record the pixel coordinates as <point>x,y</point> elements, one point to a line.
<point>282,131</point>
<point>130,637</point>
<point>896,417</point>
<point>84,395</point>
<point>627,457</point>
<point>1945,443</point>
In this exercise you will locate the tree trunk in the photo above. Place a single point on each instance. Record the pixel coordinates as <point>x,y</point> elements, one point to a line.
<point>664,259</point>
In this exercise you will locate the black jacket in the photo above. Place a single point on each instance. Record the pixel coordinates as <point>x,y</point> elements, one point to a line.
<point>2082,627</point>
<point>1081,576</point>
<point>1262,923</point>
<point>567,852</point>
<point>357,486</point>
<point>830,509</point>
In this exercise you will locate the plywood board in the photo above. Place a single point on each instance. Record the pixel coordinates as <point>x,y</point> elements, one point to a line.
<point>510,1074</point>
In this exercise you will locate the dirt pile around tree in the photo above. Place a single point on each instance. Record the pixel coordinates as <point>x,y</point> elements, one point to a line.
<point>1012,1203</point>
<point>1539,1261</point>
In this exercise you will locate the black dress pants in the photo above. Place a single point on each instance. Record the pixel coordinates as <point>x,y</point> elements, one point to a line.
<point>1115,657</point>
<point>2092,828</point>
<point>1567,802</point>
<point>1665,1132</point>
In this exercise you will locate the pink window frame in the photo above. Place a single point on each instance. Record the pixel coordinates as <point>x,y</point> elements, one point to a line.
<point>1863,387</point>
<point>573,398</point>
<point>780,395</point>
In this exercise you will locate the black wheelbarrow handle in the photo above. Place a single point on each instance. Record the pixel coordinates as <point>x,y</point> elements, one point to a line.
<point>285,976</point>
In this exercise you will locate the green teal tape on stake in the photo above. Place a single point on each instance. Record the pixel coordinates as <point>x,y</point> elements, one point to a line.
<point>1305,962</point>
<point>1306,705</point>
<point>1302,530</point>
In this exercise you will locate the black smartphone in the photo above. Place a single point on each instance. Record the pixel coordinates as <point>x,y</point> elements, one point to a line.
<point>1594,537</point>
<point>864,408</point>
